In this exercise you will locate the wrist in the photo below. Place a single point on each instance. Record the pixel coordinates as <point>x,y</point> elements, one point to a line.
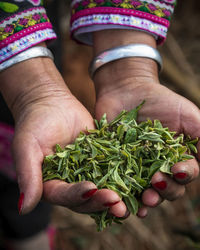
<point>133,70</point>
<point>107,39</point>
<point>125,72</point>
<point>30,82</point>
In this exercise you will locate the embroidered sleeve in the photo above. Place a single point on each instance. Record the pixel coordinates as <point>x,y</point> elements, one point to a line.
<point>152,16</point>
<point>23,24</point>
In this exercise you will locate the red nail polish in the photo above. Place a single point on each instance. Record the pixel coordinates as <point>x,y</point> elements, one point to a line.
<point>110,204</point>
<point>20,202</point>
<point>180,175</point>
<point>160,185</point>
<point>89,193</point>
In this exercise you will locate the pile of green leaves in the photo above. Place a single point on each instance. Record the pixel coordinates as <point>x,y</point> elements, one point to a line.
<point>121,155</point>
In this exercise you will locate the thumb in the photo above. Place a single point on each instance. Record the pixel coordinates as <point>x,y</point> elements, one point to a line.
<point>190,121</point>
<point>28,159</point>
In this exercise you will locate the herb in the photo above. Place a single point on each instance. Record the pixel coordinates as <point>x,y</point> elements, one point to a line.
<point>122,156</point>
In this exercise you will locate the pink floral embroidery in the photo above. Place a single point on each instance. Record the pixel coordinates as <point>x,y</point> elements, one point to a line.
<point>117,1</point>
<point>23,21</point>
<point>8,28</point>
<point>45,16</point>
<point>152,7</point>
<point>36,17</point>
<point>135,3</point>
<point>166,12</point>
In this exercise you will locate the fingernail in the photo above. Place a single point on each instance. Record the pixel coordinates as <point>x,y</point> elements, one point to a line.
<point>160,185</point>
<point>142,214</point>
<point>126,214</point>
<point>180,175</point>
<point>20,202</point>
<point>110,204</point>
<point>89,193</point>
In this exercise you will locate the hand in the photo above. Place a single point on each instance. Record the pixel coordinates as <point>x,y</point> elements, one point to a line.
<point>46,113</point>
<point>124,84</point>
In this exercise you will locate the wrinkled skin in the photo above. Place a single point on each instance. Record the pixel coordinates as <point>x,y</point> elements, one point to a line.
<point>46,113</point>
<point>174,111</point>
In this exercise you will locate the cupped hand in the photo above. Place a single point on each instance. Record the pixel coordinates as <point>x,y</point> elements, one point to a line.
<point>120,91</point>
<point>56,119</point>
<point>46,114</point>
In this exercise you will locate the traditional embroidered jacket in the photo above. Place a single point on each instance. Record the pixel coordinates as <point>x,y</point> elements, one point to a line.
<point>152,16</point>
<point>24,23</point>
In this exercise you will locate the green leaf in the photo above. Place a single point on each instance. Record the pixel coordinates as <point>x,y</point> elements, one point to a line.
<point>132,204</point>
<point>131,135</point>
<point>118,179</point>
<point>186,157</point>
<point>120,131</point>
<point>52,177</point>
<point>121,156</point>
<point>94,151</point>
<point>132,115</point>
<point>103,121</point>
<point>192,148</point>
<point>150,136</point>
<point>97,124</point>
<point>62,154</point>
<point>155,166</point>
<point>118,118</point>
<point>48,159</point>
<point>96,172</point>
<point>157,124</point>
<point>134,183</point>
<point>166,167</point>
<point>58,148</point>
<point>8,7</point>
<point>103,180</point>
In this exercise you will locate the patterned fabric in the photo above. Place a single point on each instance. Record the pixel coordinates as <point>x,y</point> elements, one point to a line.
<point>150,6</point>
<point>151,16</point>
<point>23,24</point>
<point>22,21</point>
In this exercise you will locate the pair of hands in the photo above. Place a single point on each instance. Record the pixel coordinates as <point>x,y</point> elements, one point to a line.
<point>47,113</point>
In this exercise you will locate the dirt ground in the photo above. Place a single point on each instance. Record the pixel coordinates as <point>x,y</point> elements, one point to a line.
<point>173,225</point>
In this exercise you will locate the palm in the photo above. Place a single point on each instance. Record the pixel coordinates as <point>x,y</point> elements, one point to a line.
<point>174,111</point>
<point>48,125</point>
<point>39,129</point>
<point>37,132</point>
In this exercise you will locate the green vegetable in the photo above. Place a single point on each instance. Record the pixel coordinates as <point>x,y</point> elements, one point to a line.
<point>122,156</point>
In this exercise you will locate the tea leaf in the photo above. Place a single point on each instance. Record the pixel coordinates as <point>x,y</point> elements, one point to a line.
<point>121,156</point>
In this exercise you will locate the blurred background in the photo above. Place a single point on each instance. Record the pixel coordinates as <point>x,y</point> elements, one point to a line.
<point>173,225</point>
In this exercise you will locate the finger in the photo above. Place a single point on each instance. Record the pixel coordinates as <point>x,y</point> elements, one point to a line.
<point>142,212</point>
<point>167,187</point>
<point>151,198</point>
<point>82,197</point>
<point>185,172</point>
<point>190,121</point>
<point>28,161</point>
<point>68,194</point>
<point>119,210</point>
<point>101,200</point>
